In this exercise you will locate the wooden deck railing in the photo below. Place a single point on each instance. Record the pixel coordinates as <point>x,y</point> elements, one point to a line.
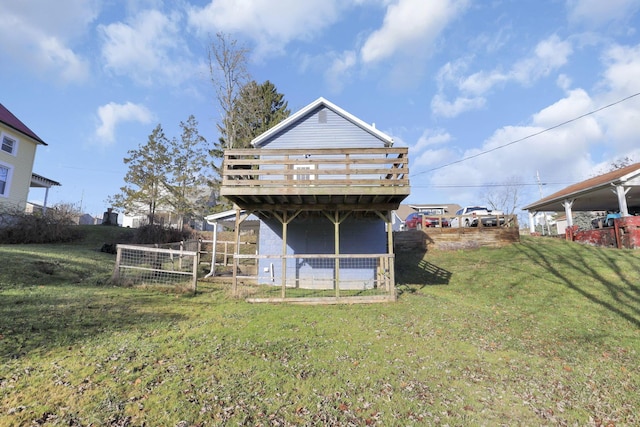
<point>316,168</point>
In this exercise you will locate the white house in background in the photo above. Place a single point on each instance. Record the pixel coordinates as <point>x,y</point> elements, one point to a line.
<point>18,146</point>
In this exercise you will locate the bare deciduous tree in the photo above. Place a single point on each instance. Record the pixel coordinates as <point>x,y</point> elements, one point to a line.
<point>504,196</point>
<point>228,68</point>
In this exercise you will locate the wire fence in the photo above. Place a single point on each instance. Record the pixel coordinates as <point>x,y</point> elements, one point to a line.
<point>172,264</point>
<point>224,254</point>
<point>306,278</point>
<point>317,278</point>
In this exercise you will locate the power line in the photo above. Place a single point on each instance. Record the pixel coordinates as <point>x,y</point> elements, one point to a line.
<point>530,135</point>
<point>517,184</point>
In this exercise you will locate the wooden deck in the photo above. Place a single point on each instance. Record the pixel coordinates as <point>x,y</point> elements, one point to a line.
<point>354,179</point>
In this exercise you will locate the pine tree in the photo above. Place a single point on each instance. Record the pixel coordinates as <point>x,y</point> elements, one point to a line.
<point>259,108</point>
<point>145,181</point>
<point>188,167</point>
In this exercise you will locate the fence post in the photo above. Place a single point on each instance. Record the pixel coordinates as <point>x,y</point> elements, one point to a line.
<point>195,272</point>
<point>180,257</point>
<point>116,271</point>
<point>392,276</point>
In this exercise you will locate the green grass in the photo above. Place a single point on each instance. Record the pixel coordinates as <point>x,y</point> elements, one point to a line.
<point>544,332</point>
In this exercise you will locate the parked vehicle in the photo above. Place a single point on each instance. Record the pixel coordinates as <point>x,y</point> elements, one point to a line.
<point>469,216</point>
<point>605,221</point>
<point>418,220</point>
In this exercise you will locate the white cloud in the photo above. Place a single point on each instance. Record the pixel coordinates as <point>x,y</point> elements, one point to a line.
<point>443,108</point>
<point>339,72</point>
<point>432,137</point>
<point>620,81</point>
<point>112,114</point>
<point>38,34</point>
<point>596,13</point>
<point>147,48</point>
<point>409,26</point>
<point>432,157</point>
<point>566,154</point>
<point>271,25</point>
<point>422,153</point>
<point>481,82</point>
<point>575,104</point>
<point>623,69</point>
<point>549,55</point>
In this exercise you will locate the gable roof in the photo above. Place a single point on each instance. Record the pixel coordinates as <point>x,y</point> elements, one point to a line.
<point>321,102</point>
<point>595,193</point>
<point>13,122</point>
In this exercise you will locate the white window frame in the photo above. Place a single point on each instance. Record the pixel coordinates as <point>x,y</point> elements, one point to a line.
<point>16,142</point>
<point>7,184</point>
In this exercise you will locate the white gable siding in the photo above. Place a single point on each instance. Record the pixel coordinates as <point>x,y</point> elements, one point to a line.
<point>323,128</point>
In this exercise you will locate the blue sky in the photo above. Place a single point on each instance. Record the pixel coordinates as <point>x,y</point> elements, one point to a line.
<point>449,79</point>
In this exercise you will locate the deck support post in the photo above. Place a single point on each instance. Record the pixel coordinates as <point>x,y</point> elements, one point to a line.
<point>336,220</point>
<point>236,252</point>
<point>239,220</point>
<point>285,227</point>
<point>388,264</point>
<point>285,219</point>
<point>391,279</point>
<point>336,238</point>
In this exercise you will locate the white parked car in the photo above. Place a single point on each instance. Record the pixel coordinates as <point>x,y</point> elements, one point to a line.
<point>469,216</point>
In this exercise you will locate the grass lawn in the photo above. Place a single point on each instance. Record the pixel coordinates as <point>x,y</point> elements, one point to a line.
<point>543,332</point>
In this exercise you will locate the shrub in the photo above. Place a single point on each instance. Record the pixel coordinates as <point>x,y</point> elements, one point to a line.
<point>149,234</point>
<point>52,227</point>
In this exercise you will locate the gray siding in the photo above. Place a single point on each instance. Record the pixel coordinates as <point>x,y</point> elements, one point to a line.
<point>322,128</point>
<point>315,236</point>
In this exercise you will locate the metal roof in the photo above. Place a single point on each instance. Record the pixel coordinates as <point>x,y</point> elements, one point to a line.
<point>595,194</point>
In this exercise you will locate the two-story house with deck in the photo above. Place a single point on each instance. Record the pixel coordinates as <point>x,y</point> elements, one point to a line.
<point>323,184</point>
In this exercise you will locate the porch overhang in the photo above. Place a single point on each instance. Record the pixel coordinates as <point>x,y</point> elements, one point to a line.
<point>39,181</point>
<point>600,193</point>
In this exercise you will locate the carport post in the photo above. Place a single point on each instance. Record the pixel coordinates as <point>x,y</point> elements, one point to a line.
<point>567,210</point>
<point>621,192</point>
<point>532,225</point>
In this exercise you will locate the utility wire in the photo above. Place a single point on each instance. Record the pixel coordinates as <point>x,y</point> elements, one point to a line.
<point>529,136</point>
<point>516,184</point>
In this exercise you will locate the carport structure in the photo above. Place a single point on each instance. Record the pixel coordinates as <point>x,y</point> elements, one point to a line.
<point>618,190</point>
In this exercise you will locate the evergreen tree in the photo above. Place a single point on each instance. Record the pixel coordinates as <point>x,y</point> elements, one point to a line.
<point>188,165</point>
<point>259,108</point>
<point>145,180</point>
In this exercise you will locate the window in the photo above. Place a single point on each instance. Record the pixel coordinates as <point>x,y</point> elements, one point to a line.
<point>5,177</point>
<point>303,174</point>
<point>9,145</point>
